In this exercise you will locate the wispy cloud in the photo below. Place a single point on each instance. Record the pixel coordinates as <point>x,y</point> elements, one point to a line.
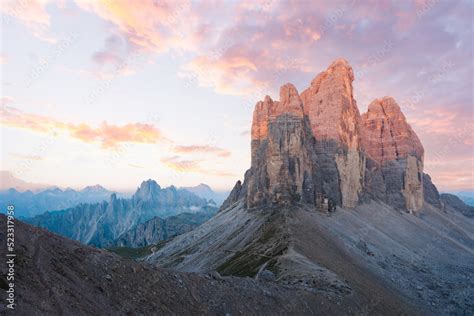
<point>33,14</point>
<point>185,165</point>
<point>205,149</point>
<point>156,26</point>
<point>106,134</point>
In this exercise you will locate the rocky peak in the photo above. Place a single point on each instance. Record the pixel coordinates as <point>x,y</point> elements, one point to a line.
<point>330,105</point>
<point>260,118</point>
<point>269,110</point>
<point>94,189</point>
<point>290,102</point>
<point>147,191</point>
<point>388,136</point>
<point>395,155</point>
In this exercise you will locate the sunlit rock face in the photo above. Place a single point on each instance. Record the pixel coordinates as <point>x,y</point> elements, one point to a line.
<point>395,169</point>
<point>336,125</point>
<point>316,148</point>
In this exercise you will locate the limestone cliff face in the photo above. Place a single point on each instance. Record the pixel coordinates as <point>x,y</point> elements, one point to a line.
<point>281,155</point>
<point>316,148</point>
<point>336,124</point>
<point>307,148</point>
<point>395,154</point>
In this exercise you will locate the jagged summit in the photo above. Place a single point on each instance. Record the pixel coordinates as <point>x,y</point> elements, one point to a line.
<point>93,189</point>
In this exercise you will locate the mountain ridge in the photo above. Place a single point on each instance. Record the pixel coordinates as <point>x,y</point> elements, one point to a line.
<point>100,224</point>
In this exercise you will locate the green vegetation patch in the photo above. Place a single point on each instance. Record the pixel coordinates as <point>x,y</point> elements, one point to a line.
<point>136,253</point>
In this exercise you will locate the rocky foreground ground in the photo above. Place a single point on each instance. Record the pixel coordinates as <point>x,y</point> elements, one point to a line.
<point>57,276</point>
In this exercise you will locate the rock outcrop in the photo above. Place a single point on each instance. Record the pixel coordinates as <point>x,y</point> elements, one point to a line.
<point>316,148</point>
<point>430,192</point>
<point>395,154</point>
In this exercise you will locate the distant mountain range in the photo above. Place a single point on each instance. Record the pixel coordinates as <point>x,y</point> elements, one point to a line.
<point>205,191</point>
<point>100,224</point>
<point>29,203</point>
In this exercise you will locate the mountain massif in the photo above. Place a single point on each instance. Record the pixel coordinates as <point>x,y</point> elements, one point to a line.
<point>316,148</point>
<point>100,224</point>
<point>337,202</point>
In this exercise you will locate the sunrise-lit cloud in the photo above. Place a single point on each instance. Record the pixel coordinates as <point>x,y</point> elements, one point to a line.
<point>156,26</point>
<point>179,164</point>
<point>33,14</point>
<point>107,135</point>
<point>449,176</point>
<point>203,149</point>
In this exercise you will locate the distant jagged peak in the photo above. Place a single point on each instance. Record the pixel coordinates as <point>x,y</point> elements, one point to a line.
<point>201,187</point>
<point>94,189</point>
<point>148,190</point>
<point>149,184</point>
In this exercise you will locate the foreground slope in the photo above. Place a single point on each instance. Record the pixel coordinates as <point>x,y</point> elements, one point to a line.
<point>57,276</point>
<point>373,253</point>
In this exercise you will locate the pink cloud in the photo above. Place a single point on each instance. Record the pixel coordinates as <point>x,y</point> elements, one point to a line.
<point>181,165</point>
<point>150,25</point>
<point>32,14</point>
<point>107,135</point>
<point>206,149</point>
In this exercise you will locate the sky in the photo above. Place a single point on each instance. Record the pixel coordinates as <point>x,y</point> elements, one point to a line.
<point>116,92</point>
